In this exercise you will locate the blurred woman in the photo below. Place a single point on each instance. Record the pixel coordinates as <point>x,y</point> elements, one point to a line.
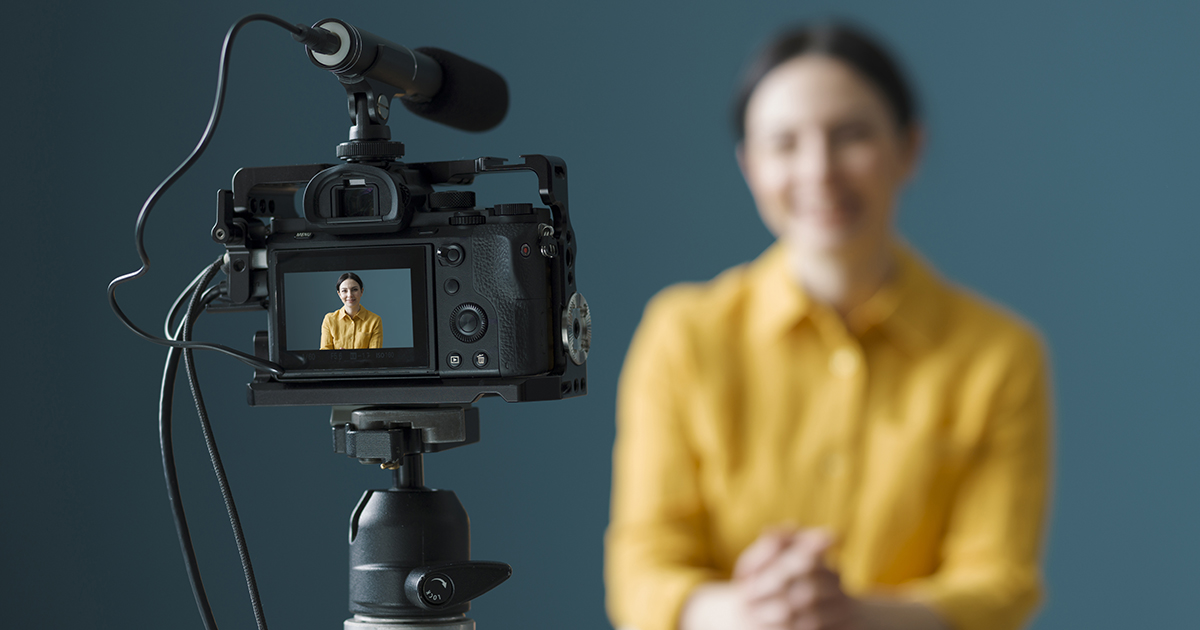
<point>832,435</point>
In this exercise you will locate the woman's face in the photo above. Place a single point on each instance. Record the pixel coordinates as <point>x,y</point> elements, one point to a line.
<point>824,158</point>
<point>350,293</point>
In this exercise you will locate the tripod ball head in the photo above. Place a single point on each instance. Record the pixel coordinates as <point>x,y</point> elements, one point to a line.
<point>410,551</point>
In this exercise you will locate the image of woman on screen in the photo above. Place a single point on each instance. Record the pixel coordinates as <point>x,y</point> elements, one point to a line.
<point>351,327</point>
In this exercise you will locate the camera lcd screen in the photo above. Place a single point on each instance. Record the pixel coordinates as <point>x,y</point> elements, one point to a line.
<point>309,301</point>
<point>388,332</point>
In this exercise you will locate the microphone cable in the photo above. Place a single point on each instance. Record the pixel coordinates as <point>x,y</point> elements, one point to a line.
<point>299,32</point>
<point>200,297</point>
<point>166,444</point>
<point>181,345</point>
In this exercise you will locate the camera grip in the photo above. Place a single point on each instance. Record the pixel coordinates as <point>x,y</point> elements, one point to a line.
<point>518,288</point>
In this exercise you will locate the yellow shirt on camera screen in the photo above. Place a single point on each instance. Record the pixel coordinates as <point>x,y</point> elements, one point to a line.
<point>341,331</point>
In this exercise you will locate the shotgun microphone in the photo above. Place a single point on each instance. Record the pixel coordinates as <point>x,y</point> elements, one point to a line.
<point>432,83</point>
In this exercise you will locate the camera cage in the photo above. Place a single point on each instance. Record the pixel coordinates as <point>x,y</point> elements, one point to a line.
<point>260,205</point>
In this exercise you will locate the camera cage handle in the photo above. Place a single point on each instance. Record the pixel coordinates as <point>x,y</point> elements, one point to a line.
<point>551,172</point>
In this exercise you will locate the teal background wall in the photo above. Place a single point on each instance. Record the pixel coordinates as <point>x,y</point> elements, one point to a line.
<point>1060,179</point>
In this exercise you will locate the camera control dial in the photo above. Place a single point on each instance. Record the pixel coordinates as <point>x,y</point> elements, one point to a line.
<point>452,200</point>
<point>468,322</point>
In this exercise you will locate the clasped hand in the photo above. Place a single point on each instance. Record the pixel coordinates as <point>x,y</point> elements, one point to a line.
<point>784,584</point>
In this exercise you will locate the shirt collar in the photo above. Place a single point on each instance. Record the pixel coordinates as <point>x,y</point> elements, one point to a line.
<point>345,315</point>
<point>779,301</point>
<point>909,307</point>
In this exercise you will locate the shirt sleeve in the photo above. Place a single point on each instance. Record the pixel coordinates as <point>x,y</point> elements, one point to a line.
<point>327,334</point>
<point>989,577</point>
<point>656,550</point>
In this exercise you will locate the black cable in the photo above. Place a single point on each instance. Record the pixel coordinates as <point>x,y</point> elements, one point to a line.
<point>180,342</point>
<point>180,302</point>
<point>214,455</point>
<point>140,227</point>
<point>165,402</point>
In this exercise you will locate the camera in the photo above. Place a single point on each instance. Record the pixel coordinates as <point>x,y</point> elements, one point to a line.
<point>466,301</point>
<point>472,300</point>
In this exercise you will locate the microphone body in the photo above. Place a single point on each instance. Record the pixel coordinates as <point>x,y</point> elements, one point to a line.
<point>432,83</point>
<point>472,97</point>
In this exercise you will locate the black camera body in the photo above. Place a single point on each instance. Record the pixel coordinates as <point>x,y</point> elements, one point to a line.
<point>472,301</point>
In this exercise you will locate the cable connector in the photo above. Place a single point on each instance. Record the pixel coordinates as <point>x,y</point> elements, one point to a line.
<point>318,40</point>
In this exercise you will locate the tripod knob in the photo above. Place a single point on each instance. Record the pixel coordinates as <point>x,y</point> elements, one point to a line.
<point>445,585</point>
<point>435,589</point>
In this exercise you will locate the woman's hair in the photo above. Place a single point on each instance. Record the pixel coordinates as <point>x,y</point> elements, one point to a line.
<point>839,41</point>
<point>349,276</point>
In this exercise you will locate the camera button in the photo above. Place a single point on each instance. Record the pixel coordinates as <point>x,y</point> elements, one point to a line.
<point>451,255</point>
<point>468,322</point>
<point>451,286</point>
<point>481,359</point>
<point>454,360</point>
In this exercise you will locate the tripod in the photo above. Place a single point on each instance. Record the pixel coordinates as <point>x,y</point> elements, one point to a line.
<point>410,546</point>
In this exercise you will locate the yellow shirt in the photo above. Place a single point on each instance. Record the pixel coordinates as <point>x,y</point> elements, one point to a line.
<point>340,331</point>
<point>917,431</point>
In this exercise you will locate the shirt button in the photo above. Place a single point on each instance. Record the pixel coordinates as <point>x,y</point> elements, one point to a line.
<point>844,362</point>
